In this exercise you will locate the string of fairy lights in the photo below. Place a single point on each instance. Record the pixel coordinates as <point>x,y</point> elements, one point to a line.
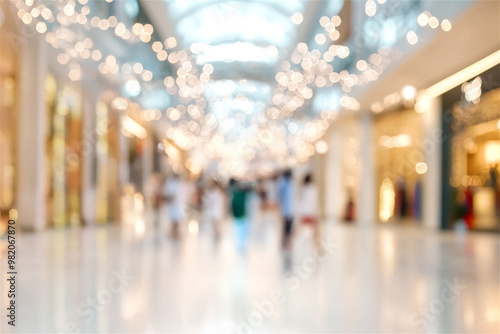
<point>279,131</point>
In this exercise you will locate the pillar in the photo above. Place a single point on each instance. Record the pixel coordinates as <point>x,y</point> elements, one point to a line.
<point>147,162</point>
<point>366,212</point>
<point>432,148</point>
<point>334,193</point>
<point>89,152</point>
<point>31,199</point>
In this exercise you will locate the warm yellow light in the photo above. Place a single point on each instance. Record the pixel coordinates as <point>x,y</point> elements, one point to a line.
<point>193,226</point>
<point>422,105</point>
<point>119,103</point>
<point>297,18</point>
<point>27,18</point>
<point>421,168</point>
<point>170,42</point>
<point>433,22</point>
<point>323,21</point>
<point>320,39</point>
<point>69,10</point>
<point>321,147</point>
<point>137,28</point>
<point>162,55</point>
<point>446,25</point>
<point>377,107</point>
<point>138,68</point>
<point>492,152</point>
<point>493,315</point>
<point>462,76</point>
<point>370,8</point>
<point>472,90</point>
<point>336,20</point>
<point>171,151</point>
<point>134,128</point>
<point>401,140</point>
<point>387,200</point>
<point>41,27</point>
<point>96,55</point>
<point>408,92</point>
<point>13,214</point>
<point>423,19</point>
<point>157,46</point>
<point>412,37</point>
<point>62,58</point>
<point>361,65</point>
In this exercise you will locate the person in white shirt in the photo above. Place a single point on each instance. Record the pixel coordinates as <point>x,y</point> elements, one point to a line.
<point>272,193</point>
<point>309,205</point>
<point>213,207</point>
<point>173,192</point>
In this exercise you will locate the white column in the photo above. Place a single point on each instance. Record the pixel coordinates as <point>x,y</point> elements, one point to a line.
<point>366,212</point>
<point>334,194</point>
<point>124,165</point>
<point>431,181</point>
<point>31,201</point>
<point>89,151</point>
<point>147,161</point>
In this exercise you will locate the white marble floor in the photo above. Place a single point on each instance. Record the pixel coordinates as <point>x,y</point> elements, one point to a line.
<point>362,280</point>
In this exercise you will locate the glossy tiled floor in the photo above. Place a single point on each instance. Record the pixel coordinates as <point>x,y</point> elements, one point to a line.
<point>133,279</point>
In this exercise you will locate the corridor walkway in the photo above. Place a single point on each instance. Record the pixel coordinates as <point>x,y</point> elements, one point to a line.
<point>383,280</point>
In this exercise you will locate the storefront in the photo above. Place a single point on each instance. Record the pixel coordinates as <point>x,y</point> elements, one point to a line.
<point>8,127</point>
<point>475,155</point>
<point>101,163</point>
<point>399,165</point>
<point>342,170</point>
<point>63,153</point>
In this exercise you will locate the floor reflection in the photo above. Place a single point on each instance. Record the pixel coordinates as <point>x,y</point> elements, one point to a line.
<point>112,279</point>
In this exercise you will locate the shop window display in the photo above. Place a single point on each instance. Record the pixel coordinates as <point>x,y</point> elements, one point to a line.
<point>8,128</point>
<point>476,157</point>
<point>399,166</point>
<point>102,163</point>
<point>63,155</point>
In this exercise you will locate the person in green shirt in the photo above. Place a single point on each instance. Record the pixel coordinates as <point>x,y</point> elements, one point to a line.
<point>239,195</point>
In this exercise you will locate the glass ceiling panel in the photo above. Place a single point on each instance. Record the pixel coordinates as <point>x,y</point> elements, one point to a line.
<point>254,90</point>
<point>223,22</point>
<point>180,8</point>
<point>239,51</point>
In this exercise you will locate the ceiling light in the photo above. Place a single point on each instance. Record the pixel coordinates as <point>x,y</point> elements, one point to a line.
<point>412,37</point>
<point>297,18</point>
<point>134,128</point>
<point>446,25</point>
<point>462,76</point>
<point>321,147</point>
<point>409,92</point>
<point>421,168</point>
<point>433,22</point>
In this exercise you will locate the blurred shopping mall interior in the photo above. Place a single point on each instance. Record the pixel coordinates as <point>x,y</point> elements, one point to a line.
<point>251,166</point>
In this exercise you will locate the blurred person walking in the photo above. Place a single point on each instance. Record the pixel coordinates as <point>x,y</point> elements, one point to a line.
<point>272,192</point>
<point>128,203</point>
<point>173,194</point>
<point>309,205</point>
<point>239,195</point>
<point>286,199</point>
<point>261,191</point>
<point>154,196</point>
<point>213,207</point>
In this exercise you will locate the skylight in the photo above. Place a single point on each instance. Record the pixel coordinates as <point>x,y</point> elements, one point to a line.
<point>215,22</point>
<point>239,51</point>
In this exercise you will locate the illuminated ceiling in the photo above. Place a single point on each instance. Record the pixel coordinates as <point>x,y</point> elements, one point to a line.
<point>235,81</point>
